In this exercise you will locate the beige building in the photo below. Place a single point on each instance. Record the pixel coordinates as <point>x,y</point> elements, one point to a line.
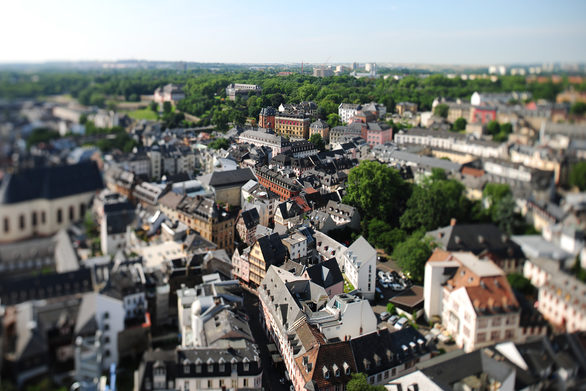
<point>473,299</point>
<point>202,215</point>
<point>41,201</point>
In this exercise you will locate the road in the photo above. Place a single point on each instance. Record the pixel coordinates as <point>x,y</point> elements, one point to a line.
<point>271,374</point>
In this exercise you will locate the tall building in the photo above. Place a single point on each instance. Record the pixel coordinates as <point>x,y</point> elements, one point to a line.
<point>292,125</point>
<point>266,118</point>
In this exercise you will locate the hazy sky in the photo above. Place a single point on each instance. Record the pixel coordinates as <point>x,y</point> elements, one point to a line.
<point>461,32</point>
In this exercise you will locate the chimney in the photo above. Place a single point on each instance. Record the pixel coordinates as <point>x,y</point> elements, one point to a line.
<point>452,221</point>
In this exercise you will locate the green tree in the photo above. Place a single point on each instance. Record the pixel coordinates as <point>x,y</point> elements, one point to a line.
<point>41,135</point>
<point>333,119</point>
<point>503,214</point>
<point>578,108</point>
<point>459,125</point>
<point>154,107</point>
<point>220,120</point>
<point>521,284</point>
<point>441,110</point>
<point>167,107</point>
<point>411,256</point>
<point>433,205</point>
<point>360,383</point>
<point>377,191</point>
<point>220,143</point>
<point>493,193</point>
<point>493,128</point>
<point>578,176</point>
<point>318,141</point>
<point>504,131</point>
<point>391,308</point>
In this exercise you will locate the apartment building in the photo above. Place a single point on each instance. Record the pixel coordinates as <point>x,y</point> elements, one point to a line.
<point>359,265</point>
<point>203,215</point>
<point>169,93</point>
<point>284,187</point>
<point>320,127</point>
<point>292,125</point>
<point>347,111</point>
<point>265,252</point>
<point>473,299</point>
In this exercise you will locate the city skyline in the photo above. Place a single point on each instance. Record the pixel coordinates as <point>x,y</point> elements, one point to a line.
<point>322,33</point>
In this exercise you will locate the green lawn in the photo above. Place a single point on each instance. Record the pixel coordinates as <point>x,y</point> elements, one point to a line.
<point>147,114</point>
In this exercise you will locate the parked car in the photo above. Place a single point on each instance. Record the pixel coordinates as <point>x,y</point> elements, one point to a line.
<point>384,283</point>
<point>397,287</point>
<point>379,293</point>
<point>393,319</point>
<point>384,315</point>
<point>401,323</point>
<point>381,274</point>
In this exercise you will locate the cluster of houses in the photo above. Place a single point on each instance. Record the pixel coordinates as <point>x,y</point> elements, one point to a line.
<point>155,255</point>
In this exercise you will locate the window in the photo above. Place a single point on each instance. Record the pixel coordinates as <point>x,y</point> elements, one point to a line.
<point>81,210</point>
<point>34,219</point>
<point>6,225</point>
<point>21,221</point>
<point>59,216</point>
<point>209,384</point>
<point>481,337</point>
<point>71,213</point>
<point>495,335</point>
<point>496,321</point>
<point>43,217</point>
<point>510,334</point>
<point>244,382</point>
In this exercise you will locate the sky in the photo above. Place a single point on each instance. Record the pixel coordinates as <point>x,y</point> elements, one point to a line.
<point>322,32</point>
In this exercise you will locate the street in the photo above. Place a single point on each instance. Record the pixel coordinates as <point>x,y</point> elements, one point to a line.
<point>271,373</point>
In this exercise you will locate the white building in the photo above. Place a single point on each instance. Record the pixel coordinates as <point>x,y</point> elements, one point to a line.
<point>347,111</point>
<point>106,314</point>
<point>360,267</point>
<point>473,299</point>
<point>561,298</point>
<point>450,141</point>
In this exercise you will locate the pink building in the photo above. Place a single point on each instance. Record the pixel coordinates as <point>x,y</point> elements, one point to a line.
<point>376,135</point>
<point>241,265</point>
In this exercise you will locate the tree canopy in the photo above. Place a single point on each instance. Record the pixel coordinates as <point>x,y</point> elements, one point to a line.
<point>412,254</point>
<point>360,383</point>
<point>220,143</point>
<point>377,191</point>
<point>578,176</point>
<point>318,141</point>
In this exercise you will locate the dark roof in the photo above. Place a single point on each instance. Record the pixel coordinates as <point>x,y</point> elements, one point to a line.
<point>325,274</point>
<point>231,178</point>
<point>389,349</point>
<point>250,218</point>
<point>477,238</point>
<point>273,250</point>
<point>51,182</point>
<point>16,290</point>
<point>410,299</point>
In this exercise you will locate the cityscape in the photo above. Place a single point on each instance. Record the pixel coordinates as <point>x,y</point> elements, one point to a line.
<point>212,212</point>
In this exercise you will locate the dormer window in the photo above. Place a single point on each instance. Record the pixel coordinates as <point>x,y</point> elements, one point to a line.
<point>336,370</point>
<point>326,372</point>
<point>346,368</point>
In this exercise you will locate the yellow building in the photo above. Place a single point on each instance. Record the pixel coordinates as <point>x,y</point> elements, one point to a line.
<point>203,215</point>
<point>292,125</point>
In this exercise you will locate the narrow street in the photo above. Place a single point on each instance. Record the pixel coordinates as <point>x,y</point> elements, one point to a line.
<point>271,374</point>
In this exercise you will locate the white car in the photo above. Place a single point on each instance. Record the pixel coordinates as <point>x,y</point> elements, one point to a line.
<point>393,319</point>
<point>381,274</point>
<point>401,323</point>
<point>384,315</point>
